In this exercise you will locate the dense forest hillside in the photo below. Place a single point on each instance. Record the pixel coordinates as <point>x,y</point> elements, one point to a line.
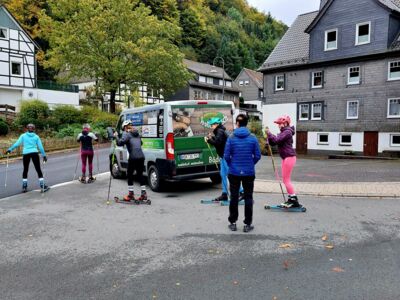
<point>231,29</point>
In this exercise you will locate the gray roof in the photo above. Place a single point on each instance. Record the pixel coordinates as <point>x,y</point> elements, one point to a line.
<point>257,77</point>
<point>293,48</point>
<point>392,4</point>
<point>205,69</point>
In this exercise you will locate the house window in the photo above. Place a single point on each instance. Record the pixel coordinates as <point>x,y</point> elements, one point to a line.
<point>316,111</point>
<point>241,82</point>
<point>345,139</point>
<point>395,140</point>
<point>16,68</point>
<point>197,95</point>
<point>331,39</point>
<point>304,112</point>
<point>202,79</point>
<point>261,93</point>
<point>353,76</point>
<point>323,139</point>
<point>246,82</point>
<point>228,83</point>
<point>363,33</point>
<point>3,33</point>
<point>393,108</point>
<point>316,80</point>
<point>280,83</point>
<point>352,110</point>
<point>394,70</point>
<point>210,80</point>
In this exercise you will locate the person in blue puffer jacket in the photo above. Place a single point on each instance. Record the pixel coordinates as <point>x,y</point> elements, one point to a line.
<point>31,146</point>
<point>242,152</point>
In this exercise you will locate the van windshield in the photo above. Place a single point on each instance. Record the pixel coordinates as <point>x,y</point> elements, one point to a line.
<point>191,121</point>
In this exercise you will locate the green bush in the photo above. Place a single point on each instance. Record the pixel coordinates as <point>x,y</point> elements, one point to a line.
<point>67,114</point>
<point>34,111</point>
<point>98,118</point>
<point>69,131</point>
<point>3,127</point>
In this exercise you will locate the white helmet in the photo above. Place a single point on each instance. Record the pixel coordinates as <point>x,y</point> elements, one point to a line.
<point>126,123</point>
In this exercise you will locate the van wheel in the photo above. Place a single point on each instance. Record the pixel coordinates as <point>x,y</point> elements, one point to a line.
<point>115,170</point>
<point>155,182</point>
<point>216,179</point>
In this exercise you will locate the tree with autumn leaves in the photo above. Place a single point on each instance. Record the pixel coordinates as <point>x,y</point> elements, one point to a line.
<point>117,42</point>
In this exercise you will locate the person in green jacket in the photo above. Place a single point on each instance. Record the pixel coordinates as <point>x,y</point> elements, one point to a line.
<point>31,146</point>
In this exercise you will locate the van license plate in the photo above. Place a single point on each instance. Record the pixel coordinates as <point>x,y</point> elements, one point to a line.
<point>190,156</point>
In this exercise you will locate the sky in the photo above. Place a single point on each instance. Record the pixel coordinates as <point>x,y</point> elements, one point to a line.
<point>285,10</point>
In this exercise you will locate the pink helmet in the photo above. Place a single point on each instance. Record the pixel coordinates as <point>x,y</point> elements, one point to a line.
<point>283,119</point>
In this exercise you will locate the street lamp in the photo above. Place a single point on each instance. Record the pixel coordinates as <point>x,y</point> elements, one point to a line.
<point>213,70</point>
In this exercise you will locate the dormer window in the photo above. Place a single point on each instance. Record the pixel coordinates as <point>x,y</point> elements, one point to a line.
<point>3,33</point>
<point>363,33</point>
<point>331,39</point>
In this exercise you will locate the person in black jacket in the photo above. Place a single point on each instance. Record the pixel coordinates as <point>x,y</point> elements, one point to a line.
<point>133,142</point>
<point>218,140</point>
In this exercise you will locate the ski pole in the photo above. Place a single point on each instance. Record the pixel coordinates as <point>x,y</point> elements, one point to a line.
<point>212,155</point>
<point>97,157</point>
<point>112,165</point>
<point>77,162</point>
<point>5,181</point>
<point>274,167</point>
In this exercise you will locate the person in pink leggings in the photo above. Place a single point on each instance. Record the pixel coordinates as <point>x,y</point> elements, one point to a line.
<point>284,141</point>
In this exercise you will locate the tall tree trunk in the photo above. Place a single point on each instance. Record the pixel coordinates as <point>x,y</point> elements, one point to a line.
<point>112,100</point>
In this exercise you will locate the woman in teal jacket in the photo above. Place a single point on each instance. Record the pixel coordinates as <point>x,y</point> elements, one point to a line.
<point>31,142</point>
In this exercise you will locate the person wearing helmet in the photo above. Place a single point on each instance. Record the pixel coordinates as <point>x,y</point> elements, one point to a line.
<point>284,141</point>
<point>218,140</point>
<point>133,142</point>
<point>86,138</point>
<point>31,146</point>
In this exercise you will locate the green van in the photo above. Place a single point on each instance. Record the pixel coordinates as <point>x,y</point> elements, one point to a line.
<point>173,140</point>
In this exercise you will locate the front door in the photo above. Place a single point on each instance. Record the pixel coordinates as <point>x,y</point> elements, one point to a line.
<point>301,142</point>
<point>371,143</point>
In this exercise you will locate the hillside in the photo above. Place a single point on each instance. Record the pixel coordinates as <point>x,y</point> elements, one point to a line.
<point>231,29</point>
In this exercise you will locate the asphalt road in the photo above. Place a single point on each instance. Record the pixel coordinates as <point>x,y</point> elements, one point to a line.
<point>59,168</point>
<point>69,244</point>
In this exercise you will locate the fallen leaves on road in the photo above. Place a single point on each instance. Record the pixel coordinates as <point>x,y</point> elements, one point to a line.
<point>330,247</point>
<point>236,282</point>
<point>337,270</point>
<point>178,284</point>
<point>30,235</point>
<point>324,238</point>
<point>274,298</point>
<point>284,246</point>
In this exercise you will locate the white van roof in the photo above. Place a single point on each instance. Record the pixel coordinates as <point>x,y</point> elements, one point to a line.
<point>180,102</point>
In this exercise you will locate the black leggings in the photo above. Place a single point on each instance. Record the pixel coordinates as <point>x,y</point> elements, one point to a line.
<point>138,166</point>
<point>26,158</point>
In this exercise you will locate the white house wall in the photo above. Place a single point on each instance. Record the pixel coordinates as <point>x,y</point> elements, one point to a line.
<point>52,98</point>
<point>273,111</point>
<point>357,142</point>
<point>10,96</point>
<point>384,142</point>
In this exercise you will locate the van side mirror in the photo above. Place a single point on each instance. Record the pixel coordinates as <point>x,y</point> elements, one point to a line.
<point>110,133</point>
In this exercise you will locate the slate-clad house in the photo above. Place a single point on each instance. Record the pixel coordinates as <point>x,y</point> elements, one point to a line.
<point>207,84</point>
<point>250,84</point>
<point>337,73</point>
<point>18,72</point>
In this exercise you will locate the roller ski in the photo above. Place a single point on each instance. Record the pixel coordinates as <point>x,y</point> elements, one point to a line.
<point>44,188</point>
<point>91,179</point>
<point>292,205</point>
<point>130,199</point>
<point>82,179</point>
<point>24,186</point>
<point>223,197</point>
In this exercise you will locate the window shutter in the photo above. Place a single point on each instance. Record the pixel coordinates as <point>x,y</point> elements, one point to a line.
<point>323,78</point>
<point>311,80</point>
